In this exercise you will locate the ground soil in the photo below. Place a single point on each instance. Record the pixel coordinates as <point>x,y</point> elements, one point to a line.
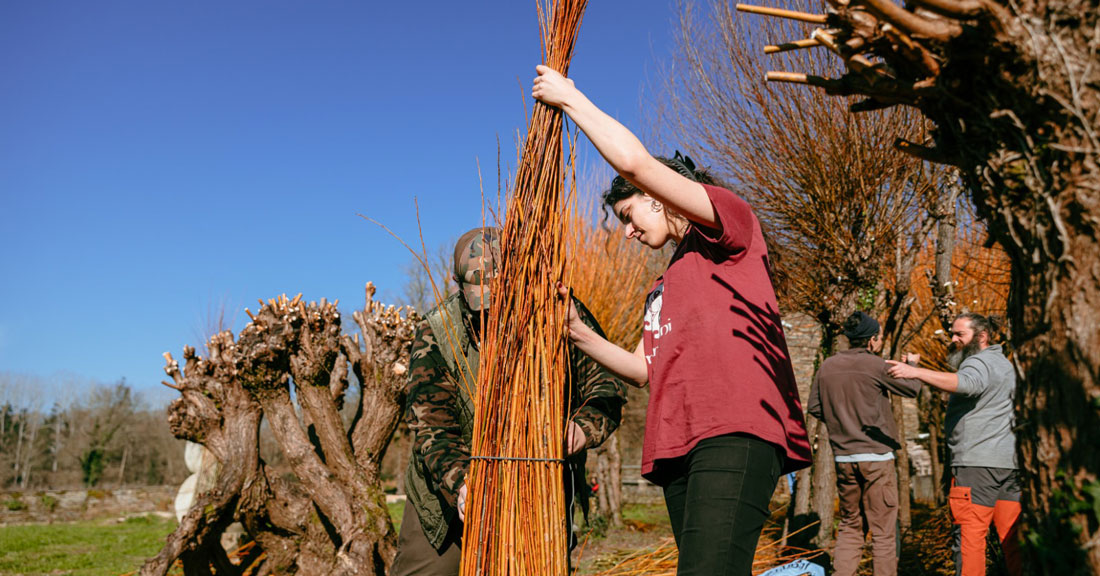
<point>645,527</point>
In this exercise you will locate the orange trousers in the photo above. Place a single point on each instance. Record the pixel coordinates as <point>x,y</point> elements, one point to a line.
<point>973,521</point>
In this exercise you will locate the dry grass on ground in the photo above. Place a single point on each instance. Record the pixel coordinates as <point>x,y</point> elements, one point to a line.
<point>644,547</point>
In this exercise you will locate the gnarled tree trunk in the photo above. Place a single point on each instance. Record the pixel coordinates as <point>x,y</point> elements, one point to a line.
<point>942,284</point>
<point>609,466</point>
<point>815,487</point>
<point>902,466</point>
<point>332,517</point>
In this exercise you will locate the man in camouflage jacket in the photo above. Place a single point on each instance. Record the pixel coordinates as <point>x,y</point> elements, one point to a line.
<point>439,411</point>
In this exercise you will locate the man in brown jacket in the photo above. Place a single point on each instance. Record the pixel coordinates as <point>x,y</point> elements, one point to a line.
<point>851,394</point>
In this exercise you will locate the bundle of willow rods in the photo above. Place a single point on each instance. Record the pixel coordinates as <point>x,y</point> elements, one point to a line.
<point>515,511</point>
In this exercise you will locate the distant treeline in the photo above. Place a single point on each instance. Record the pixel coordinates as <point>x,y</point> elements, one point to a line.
<point>96,435</point>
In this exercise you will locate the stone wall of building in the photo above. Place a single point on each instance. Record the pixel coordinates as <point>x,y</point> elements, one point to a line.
<point>68,505</point>
<point>803,340</point>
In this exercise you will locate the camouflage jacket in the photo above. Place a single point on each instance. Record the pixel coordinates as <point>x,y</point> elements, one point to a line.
<point>437,410</point>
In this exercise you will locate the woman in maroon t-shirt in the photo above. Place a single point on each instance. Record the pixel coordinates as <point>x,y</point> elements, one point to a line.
<point>724,419</point>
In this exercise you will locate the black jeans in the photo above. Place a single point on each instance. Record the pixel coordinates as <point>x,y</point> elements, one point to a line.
<point>717,497</point>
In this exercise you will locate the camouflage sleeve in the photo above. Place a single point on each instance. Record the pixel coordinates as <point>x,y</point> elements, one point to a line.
<point>598,396</point>
<point>432,415</point>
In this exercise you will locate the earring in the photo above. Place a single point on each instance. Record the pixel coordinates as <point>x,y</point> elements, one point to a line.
<point>657,206</point>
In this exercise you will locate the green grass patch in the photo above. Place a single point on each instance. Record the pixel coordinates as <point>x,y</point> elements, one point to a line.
<point>94,548</point>
<point>647,514</point>
<point>637,516</point>
<point>396,510</point>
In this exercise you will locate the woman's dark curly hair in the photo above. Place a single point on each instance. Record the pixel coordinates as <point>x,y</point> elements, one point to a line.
<point>621,189</point>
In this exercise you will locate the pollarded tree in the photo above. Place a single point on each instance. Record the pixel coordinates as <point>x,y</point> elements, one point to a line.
<point>1013,87</point>
<point>331,517</point>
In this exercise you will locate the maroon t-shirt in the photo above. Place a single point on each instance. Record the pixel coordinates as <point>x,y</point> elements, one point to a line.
<point>717,358</point>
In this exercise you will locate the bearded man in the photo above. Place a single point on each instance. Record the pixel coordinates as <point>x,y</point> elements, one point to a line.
<point>980,440</point>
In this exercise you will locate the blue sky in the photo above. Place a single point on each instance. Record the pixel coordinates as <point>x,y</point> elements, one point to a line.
<point>160,160</point>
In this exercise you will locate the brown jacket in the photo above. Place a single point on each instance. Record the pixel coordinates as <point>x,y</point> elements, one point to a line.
<point>851,393</point>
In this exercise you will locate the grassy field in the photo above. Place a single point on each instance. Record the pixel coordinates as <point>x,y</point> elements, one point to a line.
<point>92,548</point>
<point>110,547</point>
<point>103,547</point>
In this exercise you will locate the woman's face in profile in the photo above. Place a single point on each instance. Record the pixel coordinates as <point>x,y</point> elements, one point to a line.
<point>643,219</point>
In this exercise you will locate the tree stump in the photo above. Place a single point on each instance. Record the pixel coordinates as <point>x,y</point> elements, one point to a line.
<point>331,517</point>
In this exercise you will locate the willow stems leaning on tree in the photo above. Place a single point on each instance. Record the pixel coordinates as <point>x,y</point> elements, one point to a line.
<point>712,314</point>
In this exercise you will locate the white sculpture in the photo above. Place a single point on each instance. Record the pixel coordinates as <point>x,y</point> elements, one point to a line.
<point>203,467</point>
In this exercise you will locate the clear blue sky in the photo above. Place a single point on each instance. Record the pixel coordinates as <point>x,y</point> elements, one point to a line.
<point>159,160</point>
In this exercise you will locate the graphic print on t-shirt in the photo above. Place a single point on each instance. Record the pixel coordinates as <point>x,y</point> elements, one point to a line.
<point>653,320</point>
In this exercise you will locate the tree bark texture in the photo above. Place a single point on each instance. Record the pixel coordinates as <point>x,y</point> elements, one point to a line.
<point>815,488</point>
<point>815,493</point>
<point>331,518</point>
<point>1014,90</point>
<point>932,405</point>
<point>823,496</point>
<point>902,464</point>
<point>942,284</point>
<point>609,466</point>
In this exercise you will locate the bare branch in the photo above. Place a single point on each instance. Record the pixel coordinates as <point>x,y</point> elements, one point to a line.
<point>940,30</point>
<point>922,152</point>
<point>954,8</point>
<point>799,78</point>
<point>794,45</point>
<point>912,49</point>
<point>780,13</point>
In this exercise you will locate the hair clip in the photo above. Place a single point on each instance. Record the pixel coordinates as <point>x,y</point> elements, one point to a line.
<point>684,165</point>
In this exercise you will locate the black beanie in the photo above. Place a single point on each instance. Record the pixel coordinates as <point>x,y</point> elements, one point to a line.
<point>866,329</point>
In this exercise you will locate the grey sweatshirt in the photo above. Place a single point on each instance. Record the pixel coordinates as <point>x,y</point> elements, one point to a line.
<point>979,420</point>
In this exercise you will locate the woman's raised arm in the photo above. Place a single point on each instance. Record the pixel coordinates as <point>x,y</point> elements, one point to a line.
<point>623,151</point>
